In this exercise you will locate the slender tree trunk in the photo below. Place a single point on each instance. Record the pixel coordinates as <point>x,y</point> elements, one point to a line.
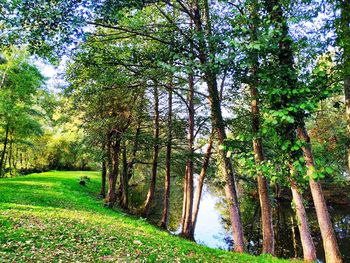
<point>277,217</point>
<point>286,61</point>
<point>266,216</point>
<point>330,244</point>
<point>184,196</point>
<point>307,243</point>
<point>343,38</point>
<point>309,250</point>
<point>187,227</point>
<point>151,191</point>
<point>266,212</point>
<point>3,77</point>
<point>21,160</point>
<point>202,175</point>
<point>26,160</point>
<point>124,200</point>
<point>104,172</point>
<point>295,244</point>
<point>347,112</point>
<point>185,183</point>
<point>10,155</point>
<point>166,200</point>
<point>226,165</point>
<point>113,173</point>
<point>103,181</point>
<point>4,151</point>
<point>15,160</point>
<point>218,123</point>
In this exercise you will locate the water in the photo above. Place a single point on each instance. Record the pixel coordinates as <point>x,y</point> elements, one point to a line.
<point>213,226</point>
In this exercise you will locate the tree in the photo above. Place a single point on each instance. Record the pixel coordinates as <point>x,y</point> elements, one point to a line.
<point>343,32</point>
<point>20,83</point>
<point>166,200</point>
<point>151,191</point>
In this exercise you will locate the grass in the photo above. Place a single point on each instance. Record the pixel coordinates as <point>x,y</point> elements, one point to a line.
<point>49,217</point>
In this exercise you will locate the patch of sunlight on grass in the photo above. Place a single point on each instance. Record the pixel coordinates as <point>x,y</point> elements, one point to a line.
<point>32,183</point>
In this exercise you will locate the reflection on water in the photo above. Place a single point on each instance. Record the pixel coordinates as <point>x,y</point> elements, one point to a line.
<point>213,227</point>
<point>210,230</point>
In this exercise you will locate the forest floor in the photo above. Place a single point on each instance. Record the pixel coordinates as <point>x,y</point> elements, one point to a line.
<point>49,217</point>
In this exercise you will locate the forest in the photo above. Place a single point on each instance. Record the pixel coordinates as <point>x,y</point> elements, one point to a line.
<point>223,122</point>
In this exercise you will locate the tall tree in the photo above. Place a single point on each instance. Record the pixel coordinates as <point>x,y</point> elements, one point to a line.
<point>156,128</point>
<point>206,54</point>
<point>266,211</point>
<point>343,41</point>
<point>187,231</point>
<point>166,199</point>
<point>285,65</point>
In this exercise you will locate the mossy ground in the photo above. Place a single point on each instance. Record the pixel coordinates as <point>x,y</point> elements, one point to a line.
<point>49,217</point>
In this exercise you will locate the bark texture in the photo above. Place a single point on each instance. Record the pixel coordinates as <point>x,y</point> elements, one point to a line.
<point>113,173</point>
<point>330,244</point>
<point>309,250</point>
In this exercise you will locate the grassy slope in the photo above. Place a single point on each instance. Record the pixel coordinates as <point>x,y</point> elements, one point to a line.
<point>50,217</point>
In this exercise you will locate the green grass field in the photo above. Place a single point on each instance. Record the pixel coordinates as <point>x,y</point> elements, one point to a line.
<point>49,217</point>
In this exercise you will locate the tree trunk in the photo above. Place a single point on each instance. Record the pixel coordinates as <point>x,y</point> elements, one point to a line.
<point>104,173</point>
<point>219,126</point>
<point>103,179</point>
<point>26,160</point>
<point>4,151</point>
<point>166,200</point>
<point>134,150</point>
<point>295,244</point>
<point>343,38</point>
<point>266,212</point>
<point>15,160</point>
<point>10,155</point>
<point>347,112</point>
<point>184,196</point>
<point>309,250</point>
<point>202,175</point>
<point>288,75</point>
<point>21,160</point>
<point>266,216</point>
<point>151,191</point>
<point>124,198</point>
<point>187,226</point>
<point>226,165</point>
<point>113,173</point>
<point>330,245</point>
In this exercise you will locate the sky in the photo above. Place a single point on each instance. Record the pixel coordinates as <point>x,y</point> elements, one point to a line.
<point>54,75</point>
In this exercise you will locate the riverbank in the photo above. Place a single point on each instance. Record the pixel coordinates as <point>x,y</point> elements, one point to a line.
<point>49,217</point>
